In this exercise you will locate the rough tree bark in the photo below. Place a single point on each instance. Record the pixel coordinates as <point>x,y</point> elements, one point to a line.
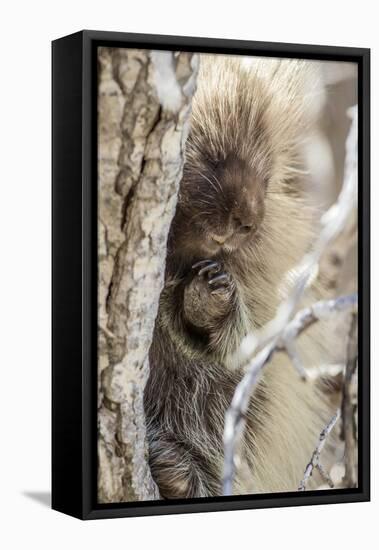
<point>144,101</point>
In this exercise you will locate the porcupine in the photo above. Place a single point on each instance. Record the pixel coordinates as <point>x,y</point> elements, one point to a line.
<point>240,225</point>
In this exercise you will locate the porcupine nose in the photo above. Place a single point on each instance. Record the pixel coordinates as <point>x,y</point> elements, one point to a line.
<point>243,225</point>
<point>238,226</point>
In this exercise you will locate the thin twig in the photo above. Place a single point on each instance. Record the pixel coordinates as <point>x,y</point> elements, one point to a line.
<point>315,460</point>
<point>324,474</point>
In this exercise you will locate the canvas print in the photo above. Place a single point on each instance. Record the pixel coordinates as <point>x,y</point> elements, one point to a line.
<point>227,275</point>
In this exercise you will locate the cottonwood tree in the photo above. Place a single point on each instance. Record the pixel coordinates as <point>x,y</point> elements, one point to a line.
<point>144,100</point>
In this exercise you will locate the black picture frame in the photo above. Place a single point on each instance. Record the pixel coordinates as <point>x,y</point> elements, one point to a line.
<point>74,272</point>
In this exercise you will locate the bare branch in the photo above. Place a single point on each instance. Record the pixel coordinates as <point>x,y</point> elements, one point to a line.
<point>279,334</point>
<point>315,460</point>
<point>235,417</point>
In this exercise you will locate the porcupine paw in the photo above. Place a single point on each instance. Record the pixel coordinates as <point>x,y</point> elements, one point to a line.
<point>216,279</point>
<point>208,294</point>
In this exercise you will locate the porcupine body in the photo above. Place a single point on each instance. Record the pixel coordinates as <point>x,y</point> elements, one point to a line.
<point>241,225</point>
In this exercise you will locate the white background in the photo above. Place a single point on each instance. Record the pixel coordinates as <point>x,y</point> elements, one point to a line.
<point>26,31</point>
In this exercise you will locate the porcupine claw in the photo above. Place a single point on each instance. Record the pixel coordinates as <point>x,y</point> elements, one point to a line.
<point>217,280</point>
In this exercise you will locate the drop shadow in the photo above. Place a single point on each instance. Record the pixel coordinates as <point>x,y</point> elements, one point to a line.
<point>42,497</point>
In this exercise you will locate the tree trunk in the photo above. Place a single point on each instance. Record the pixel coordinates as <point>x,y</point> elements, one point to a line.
<point>144,101</point>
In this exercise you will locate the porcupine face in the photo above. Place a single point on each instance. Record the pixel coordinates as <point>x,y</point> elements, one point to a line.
<point>221,203</point>
<point>242,159</point>
<point>221,207</point>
